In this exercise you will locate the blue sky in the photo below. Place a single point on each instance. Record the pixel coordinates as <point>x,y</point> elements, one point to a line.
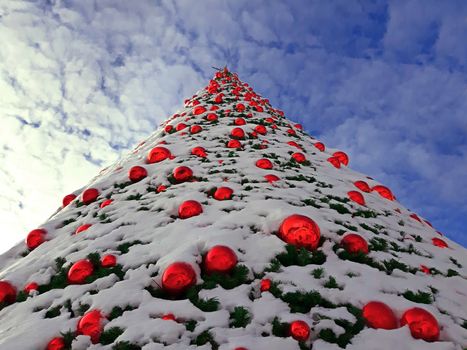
<point>83,81</point>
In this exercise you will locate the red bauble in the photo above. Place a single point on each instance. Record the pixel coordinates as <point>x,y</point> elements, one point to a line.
<point>189,208</point>
<point>300,231</point>
<point>106,203</point>
<point>237,133</point>
<point>199,152</point>
<point>234,144</point>
<point>384,192</point>
<point>161,188</point>
<point>299,330</point>
<point>271,178</point>
<point>137,173</point>
<point>320,146</point>
<point>7,292</point>
<point>439,243</point>
<point>212,117</point>
<point>223,193</point>
<point>299,126</point>
<point>356,196</point>
<point>362,186</point>
<point>299,157</point>
<point>294,144</point>
<point>264,163</point>
<point>168,128</point>
<point>180,126</point>
<point>82,228</point>
<point>194,129</point>
<point>35,238</point>
<point>240,107</point>
<point>220,259</point>
<point>239,121</point>
<point>57,343</point>
<point>158,154</point>
<point>108,260</point>
<point>354,243</point>
<point>30,287</point>
<point>168,317</point>
<point>91,325</point>
<point>178,277</point>
<point>425,269</point>
<point>343,157</point>
<point>79,271</point>
<point>199,110</point>
<point>89,195</point>
<point>261,129</point>
<point>68,199</point>
<point>182,173</point>
<point>335,162</point>
<point>422,324</point>
<point>265,284</point>
<point>379,315</point>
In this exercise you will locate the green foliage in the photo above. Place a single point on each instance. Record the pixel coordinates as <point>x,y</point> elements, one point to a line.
<point>455,262</point>
<point>300,256</point>
<point>309,179</point>
<point>68,221</point>
<point>134,197</point>
<point>368,228</point>
<point>117,311</point>
<point>391,265</point>
<point>53,312</point>
<point>206,305</point>
<point>123,185</point>
<point>280,329</point>
<point>328,335</point>
<point>125,345</point>
<point>125,247</point>
<point>191,325</point>
<point>339,208</point>
<point>22,296</point>
<point>312,203</point>
<point>452,273</point>
<point>240,317</point>
<point>238,276</point>
<point>110,335</point>
<point>317,273</point>
<point>204,338</point>
<point>378,244</point>
<point>331,283</point>
<point>302,302</point>
<point>68,339</point>
<point>365,213</point>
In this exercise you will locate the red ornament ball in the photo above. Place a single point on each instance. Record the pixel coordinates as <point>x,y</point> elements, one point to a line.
<point>240,107</point>
<point>30,287</point>
<point>343,157</point>
<point>362,186</point>
<point>168,128</point>
<point>106,203</point>
<point>300,231</point>
<point>91,325</point>
<point>265,284</point>
<point>439,243</point>
<point>261,129</point>
<point>212,117</point>
<point>189,208</point>
<point>320,146</point>
<point>384,192</point>
<point>379,315</point>
<point>199,110</point>
<point>158,154</point>
<point>199,152</point>
<point>223,193</point>
<point>354,244</point>
<point>195,129</point>
<point>299,157</point>
<point>239,121</point>
<point>79,271</point>
<point>108,260</point>
<point>35,238</point>
<point>422,324</point>
<point>168,317</point>
<point>180,126</point>
<point>182,174</point>
<point>137,173</point>
<point>299,330</point>
<point>57,343</point>
<point>264,163</point>
<point>68,199</point>
<point>356,197</point>
<point>234,144</point>
<point>7,292</point>
<point>89,195</point>
<point>220,259</point>
<point>271,178</point>
<point>161,188</point>
<point>178,277</point>
<point>335,162</point>
<point>82,228</point>
<point>237,133</point>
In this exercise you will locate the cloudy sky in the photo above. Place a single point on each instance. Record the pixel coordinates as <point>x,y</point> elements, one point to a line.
<point>83,81</point>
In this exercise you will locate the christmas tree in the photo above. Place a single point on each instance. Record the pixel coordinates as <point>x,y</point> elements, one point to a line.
<point>231,228</point>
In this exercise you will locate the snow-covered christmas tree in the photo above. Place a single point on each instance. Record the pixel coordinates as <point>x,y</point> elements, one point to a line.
<point>230,228</point>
